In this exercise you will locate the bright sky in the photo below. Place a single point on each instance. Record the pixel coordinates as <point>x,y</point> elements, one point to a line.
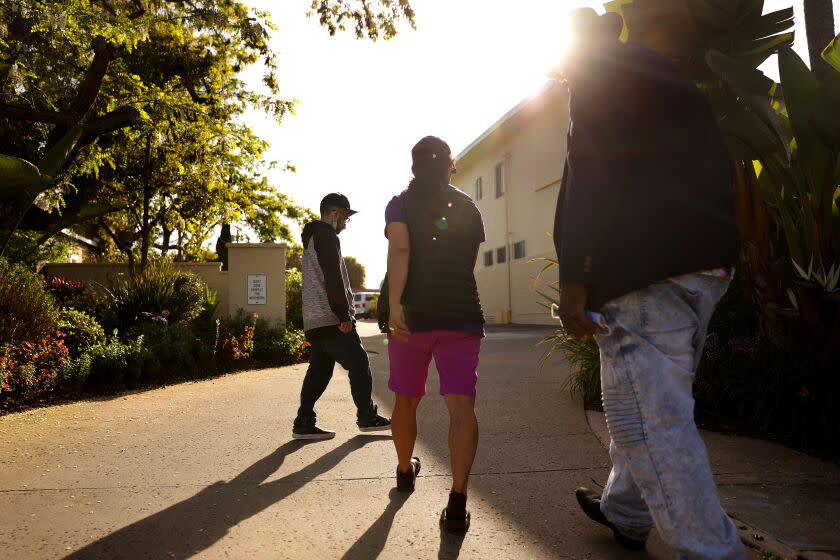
<point>364,105</point>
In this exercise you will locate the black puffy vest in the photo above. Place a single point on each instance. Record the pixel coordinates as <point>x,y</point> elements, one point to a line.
<point>443,231</point>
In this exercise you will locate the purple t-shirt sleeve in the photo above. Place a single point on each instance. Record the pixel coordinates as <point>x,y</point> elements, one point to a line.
<point>395,212</point>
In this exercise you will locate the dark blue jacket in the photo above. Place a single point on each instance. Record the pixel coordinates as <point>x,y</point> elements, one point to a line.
<point>647,190</point>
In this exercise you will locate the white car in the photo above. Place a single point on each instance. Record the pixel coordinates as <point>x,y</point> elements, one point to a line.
<point>362,304</point>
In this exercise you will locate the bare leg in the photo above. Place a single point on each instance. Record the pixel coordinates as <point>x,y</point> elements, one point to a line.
<point>463,438</point>
<point>404,429</point>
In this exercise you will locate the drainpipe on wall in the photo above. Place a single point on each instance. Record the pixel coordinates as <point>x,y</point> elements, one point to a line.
<point>507,314</point>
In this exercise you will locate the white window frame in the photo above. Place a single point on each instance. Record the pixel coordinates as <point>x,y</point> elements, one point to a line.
<point>499,179</point>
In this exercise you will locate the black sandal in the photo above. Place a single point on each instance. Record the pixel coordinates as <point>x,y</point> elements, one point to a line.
<point>405,481</point>
<point>458,523</point>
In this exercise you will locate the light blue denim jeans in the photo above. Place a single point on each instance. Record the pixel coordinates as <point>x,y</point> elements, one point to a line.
<point>661,474</point>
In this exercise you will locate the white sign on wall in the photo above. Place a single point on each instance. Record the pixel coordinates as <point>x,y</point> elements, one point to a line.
<point>257,289</point>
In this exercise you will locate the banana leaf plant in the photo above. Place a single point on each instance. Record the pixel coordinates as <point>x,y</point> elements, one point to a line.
<point>22,181</point>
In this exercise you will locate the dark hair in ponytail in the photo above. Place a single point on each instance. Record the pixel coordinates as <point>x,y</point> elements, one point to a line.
<point>429,178</point>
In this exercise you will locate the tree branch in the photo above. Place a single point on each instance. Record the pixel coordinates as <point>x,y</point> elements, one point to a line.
<point>104,54</point>
<point>37,115</point>
<point>115,120</point>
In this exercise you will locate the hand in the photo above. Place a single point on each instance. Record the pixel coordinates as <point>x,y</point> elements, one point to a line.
<point>346,326</point>
<point>572,312</point>
<point>396,323</point>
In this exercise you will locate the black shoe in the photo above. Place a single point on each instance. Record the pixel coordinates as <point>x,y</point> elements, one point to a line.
<point>405,480</point>
<point>455,518</point>
<point>590,503</point>
<point>311,432</point>
<point>377,424</point>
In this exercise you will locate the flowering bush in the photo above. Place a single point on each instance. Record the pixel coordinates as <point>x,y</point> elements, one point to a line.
<point>28,369</point>
<point>63,290</point>
<point>234,346</point>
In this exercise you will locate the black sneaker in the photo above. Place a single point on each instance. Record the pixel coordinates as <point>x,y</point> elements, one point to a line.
<point>311,432</point>
<point>405,480</point>
<point>455,518</point>
<point>590,503</point>
<point>377,424</point>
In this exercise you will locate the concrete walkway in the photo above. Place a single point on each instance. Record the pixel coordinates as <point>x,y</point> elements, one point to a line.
<point>208,470</point>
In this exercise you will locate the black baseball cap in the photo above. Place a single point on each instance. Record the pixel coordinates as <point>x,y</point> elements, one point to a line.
<point>430,149</point>
<point>337,200</point>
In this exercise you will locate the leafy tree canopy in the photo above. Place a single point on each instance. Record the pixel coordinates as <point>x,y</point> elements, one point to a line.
<point>156,87</point>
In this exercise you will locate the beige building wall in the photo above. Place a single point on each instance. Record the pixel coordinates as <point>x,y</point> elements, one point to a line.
<point>531,143</point>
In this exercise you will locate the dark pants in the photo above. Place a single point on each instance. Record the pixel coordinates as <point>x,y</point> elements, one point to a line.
<point>348,351</point>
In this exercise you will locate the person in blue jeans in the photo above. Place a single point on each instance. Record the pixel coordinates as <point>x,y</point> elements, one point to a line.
<point>645,236</point>
<point>329,324</point>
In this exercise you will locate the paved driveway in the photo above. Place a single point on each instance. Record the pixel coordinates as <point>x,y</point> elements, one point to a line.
<point>208,470</point>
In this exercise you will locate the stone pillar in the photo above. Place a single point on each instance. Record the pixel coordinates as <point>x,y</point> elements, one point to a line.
<point>257,279</point>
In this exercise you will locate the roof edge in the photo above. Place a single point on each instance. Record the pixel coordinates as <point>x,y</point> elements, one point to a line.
<point>505,118</point>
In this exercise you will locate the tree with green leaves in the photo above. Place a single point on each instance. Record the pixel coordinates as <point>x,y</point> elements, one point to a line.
<point>356,271</point>
<point>74,71</point>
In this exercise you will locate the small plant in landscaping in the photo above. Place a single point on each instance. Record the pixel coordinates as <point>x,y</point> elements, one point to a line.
<point>81,331</point>
<point>161,291</point>
<point>116,364</point>
<point>233,346</point>
<point>206,325</point>
<point>585,361</point>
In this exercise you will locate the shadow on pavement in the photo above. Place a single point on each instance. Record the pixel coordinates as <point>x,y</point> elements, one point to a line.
<point>450,544</point>
<point>371,543</point>
<point>196,523</point>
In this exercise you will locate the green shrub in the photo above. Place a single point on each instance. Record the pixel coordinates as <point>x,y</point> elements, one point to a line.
<point>81,331</point>
<point>116,364</point>
<point>160,290</point>
<point>294,298</point>
<point>30,369</point>
<point>171,351</point>
<point>75,371</point>
<point>27,311</point>
<point>280,346</point>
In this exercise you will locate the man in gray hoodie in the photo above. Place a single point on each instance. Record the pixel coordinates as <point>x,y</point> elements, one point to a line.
<point>329,324</point>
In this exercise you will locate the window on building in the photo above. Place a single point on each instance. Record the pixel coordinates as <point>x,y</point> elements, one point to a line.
<point>501,255</point>
<point>478,189</point>
<point>519,250</point>
<point>488,258</point>
<point>357,297</point>
<point>500,179</point>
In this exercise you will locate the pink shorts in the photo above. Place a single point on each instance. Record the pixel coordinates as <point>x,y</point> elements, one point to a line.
<point>456,358</point>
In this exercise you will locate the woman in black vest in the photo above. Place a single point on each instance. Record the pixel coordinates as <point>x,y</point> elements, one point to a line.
<point>434,231</point>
